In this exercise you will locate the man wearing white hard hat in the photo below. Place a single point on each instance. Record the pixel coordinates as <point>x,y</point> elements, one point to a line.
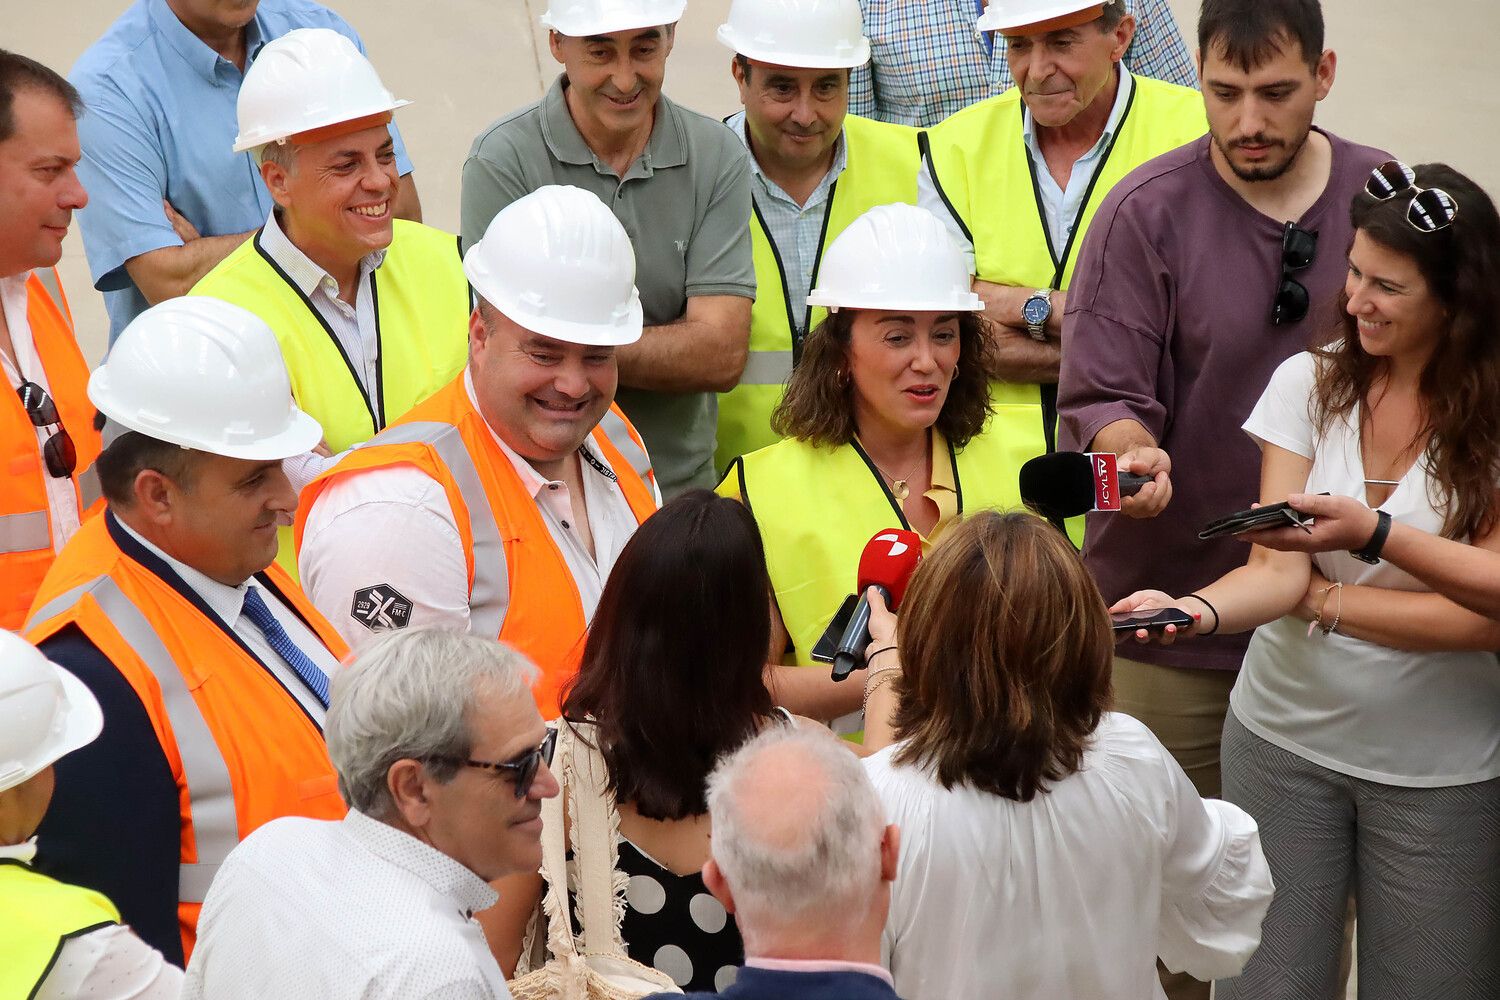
<point>815,168</point>
<point>169,199</point>
<point>371,311</point>
<point>499,505</point>
<point>1018,177</point>
<point>211,667</point>
<point>678,182</point>
<point>59,940</point>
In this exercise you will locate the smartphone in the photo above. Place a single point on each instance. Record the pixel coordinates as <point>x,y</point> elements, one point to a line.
<point>1274,515</point>
<point>828,642</point>
<point>1152,619</point>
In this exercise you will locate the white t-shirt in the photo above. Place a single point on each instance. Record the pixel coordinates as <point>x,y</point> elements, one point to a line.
<point>1075,893</point>
<point>1420,720</point>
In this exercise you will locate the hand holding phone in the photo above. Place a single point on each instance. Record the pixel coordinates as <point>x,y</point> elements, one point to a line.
<point>1154,620</point>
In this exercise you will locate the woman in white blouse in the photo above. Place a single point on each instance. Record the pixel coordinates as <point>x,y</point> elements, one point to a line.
<point>1049,847</point>
<point>1364,727</point>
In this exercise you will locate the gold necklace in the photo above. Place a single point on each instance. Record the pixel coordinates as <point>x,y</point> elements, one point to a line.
<point>899,488</point>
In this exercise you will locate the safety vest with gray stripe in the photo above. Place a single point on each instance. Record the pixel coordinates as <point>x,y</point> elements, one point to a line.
<point>245,743</point>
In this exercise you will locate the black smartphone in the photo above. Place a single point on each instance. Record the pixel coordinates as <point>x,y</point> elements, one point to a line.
<point>1272,515</point>
<point>828,642</point>
<point>1151,619</point>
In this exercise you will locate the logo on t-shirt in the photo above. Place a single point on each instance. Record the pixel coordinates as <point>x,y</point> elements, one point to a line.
<point>381,608</point>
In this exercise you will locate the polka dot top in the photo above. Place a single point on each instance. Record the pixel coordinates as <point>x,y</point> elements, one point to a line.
<point>673,924</point>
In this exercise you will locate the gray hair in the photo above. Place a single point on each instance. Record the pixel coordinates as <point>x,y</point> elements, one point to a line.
<point>283,154</point>
<point>408,695</point>
<point>794,849</point>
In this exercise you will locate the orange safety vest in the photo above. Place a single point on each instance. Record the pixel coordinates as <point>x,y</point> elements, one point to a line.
<point>242,749</point>
<point>25,518</point>
<point>520,588</point>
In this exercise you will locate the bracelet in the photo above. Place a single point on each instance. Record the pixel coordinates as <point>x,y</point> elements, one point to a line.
<point>1338,611</point>
<point>1200,597</point>
<point>875,682</point>
<point>882,649</point>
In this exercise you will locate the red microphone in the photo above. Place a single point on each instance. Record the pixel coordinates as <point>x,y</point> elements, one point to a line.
<point>887,563</point>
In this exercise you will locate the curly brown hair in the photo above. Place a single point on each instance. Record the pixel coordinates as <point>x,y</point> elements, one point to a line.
<point>1460,386</point>
<point>1001,691</point>
<point>817,406</point>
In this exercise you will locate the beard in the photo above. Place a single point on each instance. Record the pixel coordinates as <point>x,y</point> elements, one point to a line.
<point>1256,174</point>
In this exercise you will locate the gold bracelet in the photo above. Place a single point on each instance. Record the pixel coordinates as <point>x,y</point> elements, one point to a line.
<point>875,682</point>
<point>1338,611</point>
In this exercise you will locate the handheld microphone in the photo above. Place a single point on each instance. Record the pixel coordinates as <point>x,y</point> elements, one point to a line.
<point>1069,483</point>
<point>887,563</point>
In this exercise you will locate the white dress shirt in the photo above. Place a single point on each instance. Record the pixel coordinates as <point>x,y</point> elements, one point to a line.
<point>62,501</point>
<point>349,909</point>
<point>1075,893</point>
<point>394,527</point>
<point>229,602</point>
<point>107,963</point>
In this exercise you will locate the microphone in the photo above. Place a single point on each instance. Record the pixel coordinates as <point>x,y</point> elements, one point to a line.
<point>887,563</point>
<point>1069,483</point>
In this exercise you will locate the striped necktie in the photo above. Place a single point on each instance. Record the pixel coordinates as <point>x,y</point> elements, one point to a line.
<point>260,616</point>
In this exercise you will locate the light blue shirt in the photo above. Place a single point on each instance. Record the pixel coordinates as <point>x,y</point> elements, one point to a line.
<point>793,228</point>
<point>159,123</point>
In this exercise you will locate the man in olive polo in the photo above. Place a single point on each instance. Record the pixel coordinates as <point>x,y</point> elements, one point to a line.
<point>678,181</point>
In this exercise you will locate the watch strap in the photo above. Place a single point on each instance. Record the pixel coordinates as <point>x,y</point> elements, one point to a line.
<point>1371,552</point>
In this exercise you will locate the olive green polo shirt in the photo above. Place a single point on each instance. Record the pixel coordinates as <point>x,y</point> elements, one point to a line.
<point>685,202</point>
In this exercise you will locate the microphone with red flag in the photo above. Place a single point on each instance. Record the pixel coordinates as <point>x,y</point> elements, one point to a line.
<point>1068,483</point>
<point>887,563</point>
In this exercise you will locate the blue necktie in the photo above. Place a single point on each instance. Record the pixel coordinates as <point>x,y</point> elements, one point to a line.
<point>260,616</point>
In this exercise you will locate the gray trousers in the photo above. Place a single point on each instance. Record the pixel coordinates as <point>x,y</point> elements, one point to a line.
<point>1423,864</point>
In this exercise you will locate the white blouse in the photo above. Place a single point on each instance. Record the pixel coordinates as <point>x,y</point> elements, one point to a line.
<point>1075,893</point>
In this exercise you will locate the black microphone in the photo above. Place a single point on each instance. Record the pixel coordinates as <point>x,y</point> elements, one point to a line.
<point>1069,483</point>
<point>850,652</point>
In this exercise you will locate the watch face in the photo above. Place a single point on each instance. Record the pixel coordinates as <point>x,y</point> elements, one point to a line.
<point>1036,310</point>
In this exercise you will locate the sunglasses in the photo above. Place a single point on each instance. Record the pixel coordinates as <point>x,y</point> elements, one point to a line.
<point>523,768</point>
<point>1430,209</point>
<point>1298,248</point>
<point>57,451</point>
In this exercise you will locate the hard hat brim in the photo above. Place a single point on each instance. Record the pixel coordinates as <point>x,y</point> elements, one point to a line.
<point>583,334</point>
<point>83,724</point>
<point>797,60</point>
<point>244,143</point>
<point>602,26</point>
<point>1063,14</point>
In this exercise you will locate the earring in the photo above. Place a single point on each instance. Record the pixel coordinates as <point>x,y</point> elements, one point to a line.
<point>955,372</point>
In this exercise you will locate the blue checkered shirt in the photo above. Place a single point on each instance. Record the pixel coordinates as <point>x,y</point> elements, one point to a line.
<point>927,61</point>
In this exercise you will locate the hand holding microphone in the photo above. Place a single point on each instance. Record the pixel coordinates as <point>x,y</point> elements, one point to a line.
<point>885,568</point>
<point>1154,495</point>
<point>1068,483</point>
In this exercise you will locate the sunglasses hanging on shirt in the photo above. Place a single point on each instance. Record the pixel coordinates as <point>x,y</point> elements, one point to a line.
<point>1298,248</point>
<point>58,451</point>
<point>1430,209</point>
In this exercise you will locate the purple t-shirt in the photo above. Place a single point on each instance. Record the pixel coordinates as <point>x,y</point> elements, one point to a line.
<point>1169,324</point>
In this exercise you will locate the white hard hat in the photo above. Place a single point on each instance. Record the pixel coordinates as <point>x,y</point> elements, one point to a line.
<point>559,263</point>
<point>1010,15</point>
<point>45,712</point>
<point>307,79</point>
<point>895,257</point>
<point>814,34</point>
<point>202,373</point>
<point>599,17</point>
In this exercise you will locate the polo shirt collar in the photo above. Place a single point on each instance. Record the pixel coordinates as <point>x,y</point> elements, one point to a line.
<point>667,146</point>
<point>200,58</point>
<point>446,876</point>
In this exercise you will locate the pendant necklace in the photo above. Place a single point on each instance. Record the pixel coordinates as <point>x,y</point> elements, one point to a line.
<point>899,489</point>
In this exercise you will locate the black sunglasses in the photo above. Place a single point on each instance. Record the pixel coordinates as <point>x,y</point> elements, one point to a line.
<point>524,767</point>
<point>1298,248</point>
<point>58,451</point>
<point>1430,209</point>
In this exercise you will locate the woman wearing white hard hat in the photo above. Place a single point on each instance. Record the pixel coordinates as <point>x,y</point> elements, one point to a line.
<point>885,424</point>
<point>56,940</point>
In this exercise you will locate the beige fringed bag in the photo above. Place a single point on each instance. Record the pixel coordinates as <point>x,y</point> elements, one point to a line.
<point>600,969</point>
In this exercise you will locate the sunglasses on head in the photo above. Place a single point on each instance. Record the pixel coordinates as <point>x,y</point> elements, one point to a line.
<point>57,451</point>
<point>523,769</point>
<point>1298,248</point>
<point>1430,209</point>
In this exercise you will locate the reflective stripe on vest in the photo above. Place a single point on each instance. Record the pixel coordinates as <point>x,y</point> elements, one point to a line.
<point>48,277</point>
<point>210,791</point>
<point>89,490</point>
<point>614,428</point>
<point>25,532</point>
<point>767,368</point>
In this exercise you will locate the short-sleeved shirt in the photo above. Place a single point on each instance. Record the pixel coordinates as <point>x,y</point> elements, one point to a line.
<point>685,203</point>
<point>160,123</point>
<point>1169,324</point>
<point>1360,708</point>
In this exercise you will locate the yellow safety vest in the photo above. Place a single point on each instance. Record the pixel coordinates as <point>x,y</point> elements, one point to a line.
<point>881,169</point>
<point>41,914</point>
<point>422,305</point>
<point>984,173</point>
<point>817,507</point>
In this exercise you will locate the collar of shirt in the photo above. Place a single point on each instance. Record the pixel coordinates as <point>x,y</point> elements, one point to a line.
<point>1111,125</point>
<point>818,965</point>
<point>445,875</point>
<point>14,301</point>
<point>227,602</point>
<point>23,852</point>
<point>535,483</point>
<point>667,146</point>
<point>737,125</point>
<point>306,275</point>
<point>203,60</point>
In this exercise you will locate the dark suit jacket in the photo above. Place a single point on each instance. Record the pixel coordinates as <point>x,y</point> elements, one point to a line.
<point>766,984</point>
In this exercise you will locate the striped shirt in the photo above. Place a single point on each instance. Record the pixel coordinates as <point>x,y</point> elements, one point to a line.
<point>927,61</point>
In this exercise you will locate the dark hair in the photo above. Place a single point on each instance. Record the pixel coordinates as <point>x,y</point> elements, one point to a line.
<point>1249,32</point>
<point>1460,387</point>
<point>743,62</point>
<point>1000,691</point>
<point>130,454</point>
<point>672,669</point>
<point>1114,12</point>
<point>817,406</point>
<point>18,73</point>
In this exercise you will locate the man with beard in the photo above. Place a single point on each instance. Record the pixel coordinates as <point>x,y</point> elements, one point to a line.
<point>1203,271</point>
